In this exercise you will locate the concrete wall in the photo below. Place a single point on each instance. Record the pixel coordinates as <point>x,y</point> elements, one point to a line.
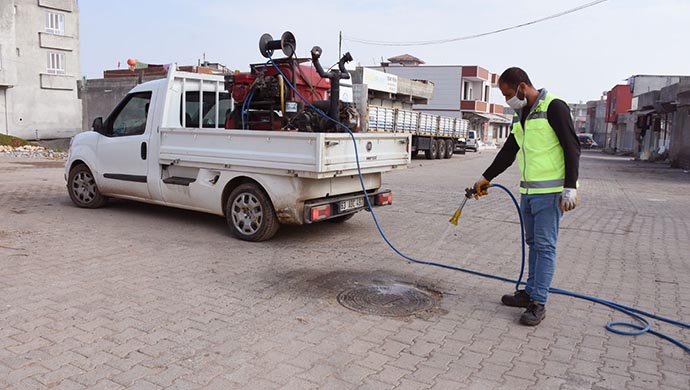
<point>596,120</point>
<point>624,128</point>
<point>100,96</point>
<point>646,83</point>
<point>8,67</point>
<point>40,105</point>
<point>679,153</point>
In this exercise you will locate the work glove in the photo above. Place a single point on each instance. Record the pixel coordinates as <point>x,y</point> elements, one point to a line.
<point>481,188</point>
<point>569,199</point>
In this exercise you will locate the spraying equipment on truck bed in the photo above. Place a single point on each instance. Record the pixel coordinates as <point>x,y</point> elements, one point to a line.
<point>263,100</point>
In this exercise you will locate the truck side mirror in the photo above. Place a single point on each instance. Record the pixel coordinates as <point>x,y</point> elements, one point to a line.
<point>98,124</point>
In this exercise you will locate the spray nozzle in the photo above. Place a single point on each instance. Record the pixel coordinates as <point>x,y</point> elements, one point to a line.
<point>469,193</point>
<point>455,217</point>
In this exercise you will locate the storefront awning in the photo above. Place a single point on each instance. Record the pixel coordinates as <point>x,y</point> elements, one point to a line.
<point>493,118</point>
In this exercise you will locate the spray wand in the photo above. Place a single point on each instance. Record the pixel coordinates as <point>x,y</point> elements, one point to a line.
<point>469,193</point>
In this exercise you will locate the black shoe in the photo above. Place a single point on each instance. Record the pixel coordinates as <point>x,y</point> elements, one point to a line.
<point>533,315</point>
<point>517,299</point>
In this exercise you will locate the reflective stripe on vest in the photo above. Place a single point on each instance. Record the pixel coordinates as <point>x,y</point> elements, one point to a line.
<point>542,184</point>
<point>541,159</point>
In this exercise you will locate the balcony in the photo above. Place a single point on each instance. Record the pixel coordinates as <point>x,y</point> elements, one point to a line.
<point>59,42</point>
<point>474,106</point>
<point>476,73</point>
<point>61,82</point>
<point>62,5</point>
<point>495,108</point>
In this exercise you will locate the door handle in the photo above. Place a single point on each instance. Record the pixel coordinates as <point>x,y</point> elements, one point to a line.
<point>143,150</point>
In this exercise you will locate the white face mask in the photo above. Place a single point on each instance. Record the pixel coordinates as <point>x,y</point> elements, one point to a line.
<point>516,103</point>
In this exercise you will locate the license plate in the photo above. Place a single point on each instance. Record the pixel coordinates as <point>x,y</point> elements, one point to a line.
<point>351,204</point>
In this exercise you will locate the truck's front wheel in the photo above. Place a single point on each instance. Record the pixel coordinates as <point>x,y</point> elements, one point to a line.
<point>82,188</point>
<point>250,213</point>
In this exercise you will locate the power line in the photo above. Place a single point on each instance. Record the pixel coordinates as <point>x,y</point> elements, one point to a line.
<point>473,36</point>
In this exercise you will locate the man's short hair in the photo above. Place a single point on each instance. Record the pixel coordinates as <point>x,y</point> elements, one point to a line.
<point>513,77</point>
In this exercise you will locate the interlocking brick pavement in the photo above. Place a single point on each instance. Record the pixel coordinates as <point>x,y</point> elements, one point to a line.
<point>146,297</point>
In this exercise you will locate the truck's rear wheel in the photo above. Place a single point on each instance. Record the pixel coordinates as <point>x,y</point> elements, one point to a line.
<point>414,153</point>
<point>250,214</point>
<point>450,148</point>
<point>432,151</point>
<point>441,153</point>
<point>82,188</point>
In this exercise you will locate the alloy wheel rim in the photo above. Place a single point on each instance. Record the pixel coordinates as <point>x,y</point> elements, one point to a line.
<point>247,213</point>
<point>84,187</point>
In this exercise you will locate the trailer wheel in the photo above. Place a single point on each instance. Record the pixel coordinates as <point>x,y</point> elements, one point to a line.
<point>250,213</point>
<point>450,148</point>
<point>82,188</point>
<point>441,148</point>
<point>432,151</point>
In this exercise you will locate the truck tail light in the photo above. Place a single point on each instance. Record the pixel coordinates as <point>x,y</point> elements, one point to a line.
<point>384,199</point>
<point>320,212</point>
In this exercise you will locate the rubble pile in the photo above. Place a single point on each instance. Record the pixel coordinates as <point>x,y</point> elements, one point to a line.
<point>32,151</point>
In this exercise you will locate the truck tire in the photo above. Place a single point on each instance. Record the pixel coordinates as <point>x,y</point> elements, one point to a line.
<point>432,151</point>
<point>82,188</point>
<point>441,148</point>
<point>414,153</point>
<point>460,147</point>
<point>450,148</point>
<point>250,215</point>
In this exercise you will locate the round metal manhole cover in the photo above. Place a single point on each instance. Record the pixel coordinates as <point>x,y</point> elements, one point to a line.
<point>389,301</point>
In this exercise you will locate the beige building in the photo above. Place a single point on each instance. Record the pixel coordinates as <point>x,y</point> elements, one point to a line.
<point>39,68</point>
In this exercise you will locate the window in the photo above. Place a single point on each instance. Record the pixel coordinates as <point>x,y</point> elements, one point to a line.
<point>55,23</point>
<point>56,63</point>
<point>129,118</point>
<point>209,109</point>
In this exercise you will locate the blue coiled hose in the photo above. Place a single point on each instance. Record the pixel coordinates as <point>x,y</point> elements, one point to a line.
<point>645,327</point>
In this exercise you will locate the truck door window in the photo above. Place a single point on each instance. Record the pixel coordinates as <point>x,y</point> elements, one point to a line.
<point>208,115</point>
<point>129,118</point>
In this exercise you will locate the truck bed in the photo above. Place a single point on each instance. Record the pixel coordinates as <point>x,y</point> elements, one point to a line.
<point>311,155</point>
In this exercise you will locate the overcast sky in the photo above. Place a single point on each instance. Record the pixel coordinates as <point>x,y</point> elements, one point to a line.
<point>577,56</point>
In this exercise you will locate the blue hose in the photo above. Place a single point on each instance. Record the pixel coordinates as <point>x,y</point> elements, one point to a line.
<point>637,314</point>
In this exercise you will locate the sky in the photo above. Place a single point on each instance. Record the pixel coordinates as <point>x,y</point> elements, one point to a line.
<point>577,56</point>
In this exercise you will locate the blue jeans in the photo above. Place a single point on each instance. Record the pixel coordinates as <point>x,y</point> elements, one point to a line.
<point>541,216</point>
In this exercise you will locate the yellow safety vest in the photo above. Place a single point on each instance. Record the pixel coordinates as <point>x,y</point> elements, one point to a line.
<point>541,160</point>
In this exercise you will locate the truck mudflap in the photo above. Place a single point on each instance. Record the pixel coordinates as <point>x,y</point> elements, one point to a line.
<point>322,209</point>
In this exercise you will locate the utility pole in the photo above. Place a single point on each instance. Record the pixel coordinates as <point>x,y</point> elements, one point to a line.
<point>340,44</point>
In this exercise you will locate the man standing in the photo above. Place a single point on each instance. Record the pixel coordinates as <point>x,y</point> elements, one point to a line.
<point>548,150</point>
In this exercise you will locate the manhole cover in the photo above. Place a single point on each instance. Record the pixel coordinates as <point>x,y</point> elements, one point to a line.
<point>390,301</point>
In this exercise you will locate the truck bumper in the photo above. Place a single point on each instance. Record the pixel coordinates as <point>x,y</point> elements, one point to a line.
<point>318,210</point>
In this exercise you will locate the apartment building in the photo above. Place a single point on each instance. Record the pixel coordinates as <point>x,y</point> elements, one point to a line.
<point>459,91</point>
<point>39,68</point>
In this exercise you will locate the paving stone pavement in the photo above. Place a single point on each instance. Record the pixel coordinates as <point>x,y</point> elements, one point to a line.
<point>146,297</point>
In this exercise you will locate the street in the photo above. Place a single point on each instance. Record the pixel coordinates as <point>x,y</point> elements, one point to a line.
<point>147,297</point>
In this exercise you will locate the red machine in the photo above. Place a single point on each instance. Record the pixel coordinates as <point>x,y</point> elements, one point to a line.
<point>264,100</point>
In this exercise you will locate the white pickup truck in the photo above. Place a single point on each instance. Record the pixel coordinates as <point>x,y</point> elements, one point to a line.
<point>165,143</point>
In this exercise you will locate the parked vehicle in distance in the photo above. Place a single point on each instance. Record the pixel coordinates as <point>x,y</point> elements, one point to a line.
<point>472,141</point>
<point>586,141</point>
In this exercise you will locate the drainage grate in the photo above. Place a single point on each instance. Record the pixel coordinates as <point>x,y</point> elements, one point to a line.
<point>390,301</point>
